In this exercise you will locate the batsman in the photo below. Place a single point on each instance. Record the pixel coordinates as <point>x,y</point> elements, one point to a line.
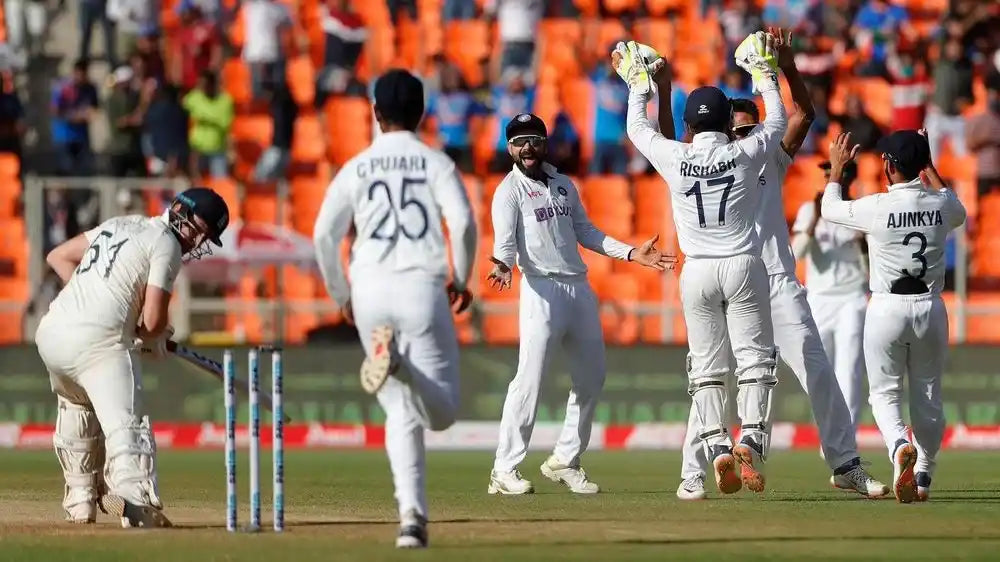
<point>118,278</point>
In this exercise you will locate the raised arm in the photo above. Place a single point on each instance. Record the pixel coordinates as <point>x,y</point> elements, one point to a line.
<point>652,144</point>
<point>663,76</point>
<point>332,224</point>
<point>800,121</point>
<point>768,136</point>
<point>858,214</point>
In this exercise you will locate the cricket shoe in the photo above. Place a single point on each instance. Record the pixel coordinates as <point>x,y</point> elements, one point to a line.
<point>412,531</point>
<point>377,367</point>
<point>692,488</point>
<point>923,486</point>
<point>572,476</point>
<point>509,484</point>
<point>751,460</point>
<point>904,458</point>
<point>726,477</point>
<point>857,479</point>
<point>82,513</point>
<point>132,515</point>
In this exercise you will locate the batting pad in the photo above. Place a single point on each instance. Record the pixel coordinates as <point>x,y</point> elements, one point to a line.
<point>131,470</point>
<point>79,446</point>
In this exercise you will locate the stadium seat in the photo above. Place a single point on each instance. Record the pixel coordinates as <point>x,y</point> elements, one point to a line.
<point>301,76</point>
<point>229,191</point>
<point>500,328</point>
<point>308,144</point>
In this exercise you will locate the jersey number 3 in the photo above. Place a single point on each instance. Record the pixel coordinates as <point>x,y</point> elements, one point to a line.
<point>918,255</point>
<point>385,231</point>
<point>695,190</point>
<point>101,244</point>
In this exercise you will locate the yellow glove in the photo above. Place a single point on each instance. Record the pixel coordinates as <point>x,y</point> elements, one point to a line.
<point>629,61</point>
<point>759,57</point>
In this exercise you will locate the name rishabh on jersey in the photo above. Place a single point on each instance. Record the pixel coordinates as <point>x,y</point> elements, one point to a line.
<point>395,193</point>
<point>907,230</point>
<point>714,184</point>
<point>106,291</point>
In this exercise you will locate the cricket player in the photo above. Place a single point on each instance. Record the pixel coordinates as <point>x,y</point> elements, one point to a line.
<point>715,192</point>
<point>795,332</point>
<point>395,193</point>
<point>837,279</point>
<point>118,279</point>
<point>906,327</point>
<point>538,220</point>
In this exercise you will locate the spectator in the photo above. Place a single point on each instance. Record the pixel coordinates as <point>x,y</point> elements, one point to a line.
<point>345,36</point>
<point>610,106</point>
<point>518,29</point>
<point>864,130</point>
<point>909,91</point>
<point>60,221</point>
<point>458,10</point>
<point>734,85</point>
<point>73,104</point>
<point>199,46</point>
<point>89,13</point>
<point>132,19</point>
<point>125,126</point>
<point>21,14</point>
<point>821,122</point>
<point>983,138</point>
<point>816,65</point>
<point>12,125</point>
<point>211,112</point>
<point>268,39</point>
<point>511,98</point>
<point>147,46</point>
<point>166,125</point>
<point>452,109</point>
<point>564,146</point>
<point>284,111</point>
<point>211,10</point>
<point>399,8</point>
<point>875,26</point>
<point>952,94</point>
<point>789,14</point>
<point>737,21</point>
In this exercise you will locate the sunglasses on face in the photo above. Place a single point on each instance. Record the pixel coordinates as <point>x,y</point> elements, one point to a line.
<point>742,131</point>
<point>536,142</point>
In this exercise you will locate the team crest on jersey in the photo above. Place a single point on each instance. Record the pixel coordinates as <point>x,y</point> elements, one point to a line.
<point>562,191</point>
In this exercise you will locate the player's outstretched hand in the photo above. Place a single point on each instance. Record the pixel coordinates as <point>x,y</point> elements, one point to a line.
<point>647,255</point>
<point>842,151</point>
<point>347,311</point>
<point>462,297</point>
<point>500,276</point>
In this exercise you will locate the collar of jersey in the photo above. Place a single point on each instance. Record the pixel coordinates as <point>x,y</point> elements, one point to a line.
<point>915,182</point>
<point>392,134</point>
<point>549,170</point>
<point>710,138</point>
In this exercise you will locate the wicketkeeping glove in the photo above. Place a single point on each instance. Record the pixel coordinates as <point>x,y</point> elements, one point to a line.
<point>630,62</point>
<point>758,56</point>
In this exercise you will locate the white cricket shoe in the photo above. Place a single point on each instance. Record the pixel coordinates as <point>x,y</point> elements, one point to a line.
<point>858,480</point>
<point>509,484</point>
<point>751,465</point>
<point>412,531</point>
<point>132,515</point>
<point>82,513</point>
<point>923,486</point>
<point>572,476</point>
<point>904,484</point>
<point>726,477</point>
<point>692,488</point>
<point>377,367</point>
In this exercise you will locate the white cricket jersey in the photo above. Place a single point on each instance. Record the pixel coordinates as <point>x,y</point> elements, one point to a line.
<point>776,250</point>
<point>540,223</point>
<point>906,227</point>
<point>834,261</point>
<point>107,290</point>
<point>714,184</point>
<point>396,193</point>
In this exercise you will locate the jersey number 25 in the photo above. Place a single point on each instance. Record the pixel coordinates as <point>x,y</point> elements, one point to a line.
<point>389,230</point>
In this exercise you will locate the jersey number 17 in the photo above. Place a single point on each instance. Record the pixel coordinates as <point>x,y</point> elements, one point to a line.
<point>695,190</point>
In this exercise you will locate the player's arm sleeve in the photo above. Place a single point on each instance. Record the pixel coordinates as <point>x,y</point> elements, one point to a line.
<point>593,238</point>
<point>956,212</point>
<point>801,241</point>
<point>164,263</point>
<point>658,149</point>
<point>767,138</point>
<point>858,214</point>
<point>332,224</point>
<point>457,212</point>
<point>504,213</point>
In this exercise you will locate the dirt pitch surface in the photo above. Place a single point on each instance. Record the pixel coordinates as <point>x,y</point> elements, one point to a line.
<point>339,506</point>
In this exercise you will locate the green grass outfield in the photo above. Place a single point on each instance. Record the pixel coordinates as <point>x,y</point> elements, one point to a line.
<point>339,506</point>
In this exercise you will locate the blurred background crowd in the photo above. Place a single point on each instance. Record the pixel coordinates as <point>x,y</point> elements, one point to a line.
<point>250,95</point>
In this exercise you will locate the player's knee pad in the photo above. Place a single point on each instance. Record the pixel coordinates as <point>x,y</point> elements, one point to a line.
<point>708,398</point>
<point>131,471</point>
<point>754,404</point>
<point>79,446</point>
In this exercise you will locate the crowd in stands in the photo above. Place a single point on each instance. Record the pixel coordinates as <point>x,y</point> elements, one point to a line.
<point>190,81</point>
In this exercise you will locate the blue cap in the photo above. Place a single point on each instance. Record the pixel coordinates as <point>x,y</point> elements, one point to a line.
<point>708,108</point>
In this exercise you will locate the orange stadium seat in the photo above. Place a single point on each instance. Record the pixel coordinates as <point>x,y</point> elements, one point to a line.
<point>661,7</point>
<point>349,121</point>
<point>229,191</point>
<point>308,142</point>
<point>236,79</point>
<point>10,196</point>
<point>301,76</point>
<point>619,6</point>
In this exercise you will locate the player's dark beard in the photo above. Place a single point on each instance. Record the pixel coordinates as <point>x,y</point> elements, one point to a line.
<point>535,169</point>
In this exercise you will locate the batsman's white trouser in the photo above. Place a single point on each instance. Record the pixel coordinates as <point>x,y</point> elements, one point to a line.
<point>107,379</point>
<point>841,323</point>
<point>424,393</point>
<point>719,296</point>
<point>907,335</point>
<point>801,348</point>
<point>552,312</point>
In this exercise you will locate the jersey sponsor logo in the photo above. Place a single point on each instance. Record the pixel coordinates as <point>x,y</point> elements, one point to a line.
<point>534,194</point>
<point>703,171</point>
<point>391,163</point>
<point>546,213</point>
<point>911,219</point>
